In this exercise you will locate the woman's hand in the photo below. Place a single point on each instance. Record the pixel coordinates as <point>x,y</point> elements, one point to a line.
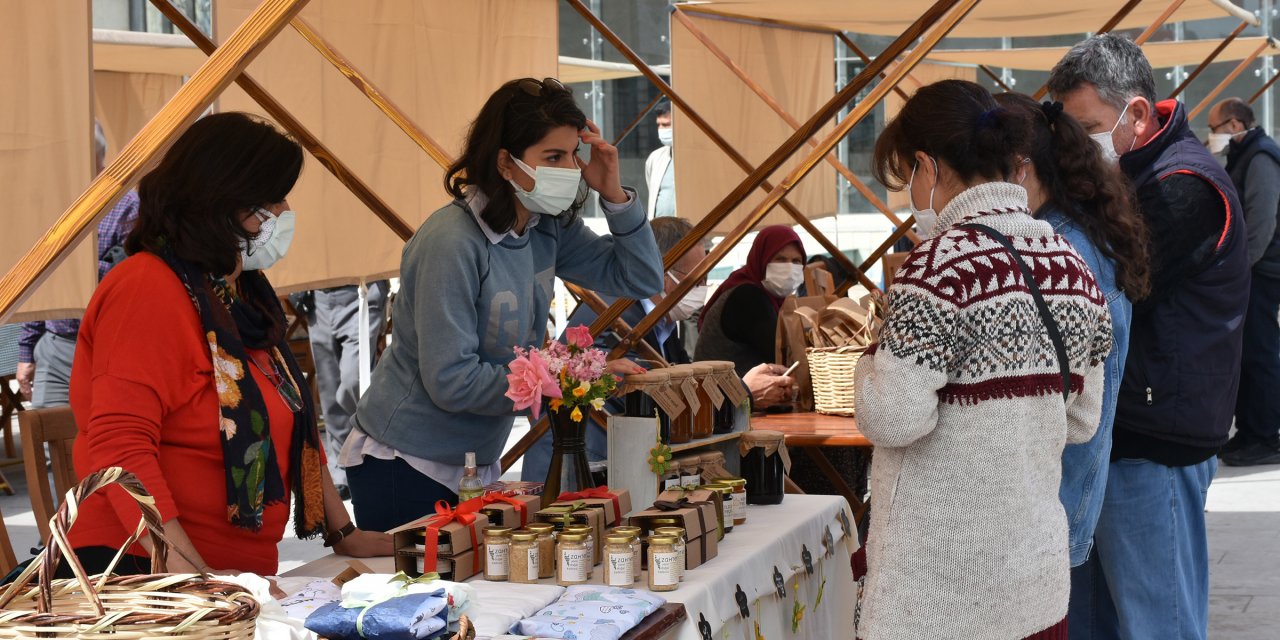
<point>602,173</point>
<point>365,544</point>
<point>623,367</point>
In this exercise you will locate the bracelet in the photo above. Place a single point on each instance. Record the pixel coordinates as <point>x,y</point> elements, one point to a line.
<point>334,537</point>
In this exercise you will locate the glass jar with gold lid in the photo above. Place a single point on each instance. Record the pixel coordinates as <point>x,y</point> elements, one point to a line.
<point>590,536</point>
<point>619,560</point>
<point>526,562</point>
<point>636,547</point>
<point>497,553</point>
<point>663,571</point>
<point>572,559</point>
<point>681,541</point>
<point>546,548</point>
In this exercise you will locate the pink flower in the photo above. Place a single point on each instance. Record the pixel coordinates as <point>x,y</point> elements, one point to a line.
<point>529,381</point>
<point>579,336</point>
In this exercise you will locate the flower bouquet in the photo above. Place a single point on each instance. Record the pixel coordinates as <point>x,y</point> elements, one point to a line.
<point>570,378</point>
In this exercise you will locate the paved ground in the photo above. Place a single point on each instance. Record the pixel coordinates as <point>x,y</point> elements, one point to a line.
<point>1244,546</point>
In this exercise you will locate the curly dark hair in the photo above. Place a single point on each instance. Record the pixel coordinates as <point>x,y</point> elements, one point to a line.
<point>513,119</point>
<point>193,200</point>
<point>1079,182</point>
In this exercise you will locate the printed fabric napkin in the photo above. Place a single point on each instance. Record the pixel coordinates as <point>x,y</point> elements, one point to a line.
<point>409,617</point>
<point>590,612</point>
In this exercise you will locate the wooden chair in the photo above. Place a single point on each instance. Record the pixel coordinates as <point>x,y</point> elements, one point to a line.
<point>57,427</point>
<point>7,558</point>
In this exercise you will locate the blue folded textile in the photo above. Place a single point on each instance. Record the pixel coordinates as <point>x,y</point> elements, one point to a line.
<point>590,612</point>
<point>409,617</point>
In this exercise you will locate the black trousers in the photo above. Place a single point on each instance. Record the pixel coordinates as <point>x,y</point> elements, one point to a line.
<point>1258,403</point>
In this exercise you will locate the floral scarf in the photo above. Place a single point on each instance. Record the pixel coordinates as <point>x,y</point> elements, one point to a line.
<point>232,325</point>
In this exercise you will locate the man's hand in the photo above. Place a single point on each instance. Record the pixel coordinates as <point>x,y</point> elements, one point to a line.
<point>26,377</point>
<point>768,386</point>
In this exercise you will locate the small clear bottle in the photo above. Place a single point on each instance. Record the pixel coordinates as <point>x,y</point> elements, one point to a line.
<point>636,547</point>
<point>663,573</point>
<point>619,560</point>
<point>572,559</point>
<point>470,486</point>
<point>526,562</point>
<point>681,539</point>
<point>497,553</point>
<point>546,548</point>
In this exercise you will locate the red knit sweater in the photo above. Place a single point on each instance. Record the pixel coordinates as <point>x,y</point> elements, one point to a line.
<point>144,399</point>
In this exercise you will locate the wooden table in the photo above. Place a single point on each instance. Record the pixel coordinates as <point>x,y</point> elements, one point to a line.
<point>811,432</point>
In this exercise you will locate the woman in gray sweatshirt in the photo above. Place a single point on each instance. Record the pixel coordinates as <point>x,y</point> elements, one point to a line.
<point>475,281</point>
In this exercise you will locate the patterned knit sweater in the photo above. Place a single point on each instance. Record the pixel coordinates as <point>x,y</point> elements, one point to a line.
<point>962,398</point>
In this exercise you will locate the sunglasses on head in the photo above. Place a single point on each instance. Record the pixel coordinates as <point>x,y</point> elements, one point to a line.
<point>538,88</point>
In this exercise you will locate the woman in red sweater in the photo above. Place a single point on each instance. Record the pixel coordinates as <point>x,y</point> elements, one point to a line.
<point>182,374</point>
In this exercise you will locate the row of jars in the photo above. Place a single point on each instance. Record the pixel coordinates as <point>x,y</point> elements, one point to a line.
<point>687,425</point>
<point>538,551</point>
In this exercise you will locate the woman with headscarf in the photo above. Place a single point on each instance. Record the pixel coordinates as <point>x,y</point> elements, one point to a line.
<point>740,320</point>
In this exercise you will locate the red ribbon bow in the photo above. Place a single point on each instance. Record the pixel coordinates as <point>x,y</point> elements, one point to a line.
<point>594,493</point>
<point>497,496</point>
<point>465,514</point>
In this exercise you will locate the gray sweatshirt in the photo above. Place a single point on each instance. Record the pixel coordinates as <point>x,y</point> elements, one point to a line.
<point>464,302</point>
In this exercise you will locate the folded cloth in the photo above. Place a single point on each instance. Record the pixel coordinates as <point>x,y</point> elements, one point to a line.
<point>409,617</point>
<point>592,612</point>
<point>371,587</point>
<point>274,621</point>
<point>506,603</point>
<point>315,594</point>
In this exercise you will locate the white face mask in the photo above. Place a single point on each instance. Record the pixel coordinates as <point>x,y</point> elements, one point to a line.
<point>664,136</point>
<point>1218,142</point>
<point>783,278</point>
<point>1107,142</point>
<point>927,219</point>
<point>274,237</point>
<point>690,304</point>
<point>554,189</point>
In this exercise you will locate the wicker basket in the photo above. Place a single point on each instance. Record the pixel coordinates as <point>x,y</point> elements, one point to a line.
<point>831,369</point>
<point>110,607</point>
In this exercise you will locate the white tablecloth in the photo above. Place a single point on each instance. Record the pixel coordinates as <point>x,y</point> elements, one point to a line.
<point>820,606</point>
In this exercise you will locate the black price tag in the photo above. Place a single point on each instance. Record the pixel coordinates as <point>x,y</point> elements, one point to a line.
<point>704,627</point>
<point>828,543</point>
<point>807,558</point>
<point>741,597</point>
<point>844,523</point>
<point>779,583</point>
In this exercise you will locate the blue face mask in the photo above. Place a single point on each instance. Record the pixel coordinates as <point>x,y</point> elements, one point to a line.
<point>272,242</point>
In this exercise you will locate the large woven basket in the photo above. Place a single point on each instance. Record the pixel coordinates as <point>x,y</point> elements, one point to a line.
<point>831,369</point>
<point>111,607</point>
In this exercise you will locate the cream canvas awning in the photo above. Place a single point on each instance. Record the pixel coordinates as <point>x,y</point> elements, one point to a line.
<point>1160,54</point>
<point>990,19</point>
<point>586,70</point>
<point>137,52</point>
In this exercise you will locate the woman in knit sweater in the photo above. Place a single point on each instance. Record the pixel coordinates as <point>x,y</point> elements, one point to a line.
<point>963,395</point>
<point>475,281</point>
<point>183,377</point>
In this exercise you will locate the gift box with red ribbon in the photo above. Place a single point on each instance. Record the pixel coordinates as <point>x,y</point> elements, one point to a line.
<point>566,513</point>
<point>508,510</point>
<point>697,517</point>
<point>615,503</point>
<point>447,542</point>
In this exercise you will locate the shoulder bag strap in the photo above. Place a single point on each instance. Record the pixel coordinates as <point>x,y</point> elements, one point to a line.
<point>1045,316</point>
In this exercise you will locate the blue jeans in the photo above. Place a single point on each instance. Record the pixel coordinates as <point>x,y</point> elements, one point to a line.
<point>388,493</point>
<point>1148,576</point>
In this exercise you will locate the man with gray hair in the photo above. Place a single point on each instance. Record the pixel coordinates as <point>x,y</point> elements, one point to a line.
<point>1148,575</point>
<point>1253,162</point>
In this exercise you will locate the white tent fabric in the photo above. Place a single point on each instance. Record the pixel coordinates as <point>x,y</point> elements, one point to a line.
<point>1160,54</point>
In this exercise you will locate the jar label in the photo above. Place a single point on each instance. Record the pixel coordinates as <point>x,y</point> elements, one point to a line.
<point>739,506</point>
<point>713,391</point>
<point>535,562</point>
<point>690,389</point>
<point>620,570</point>
<point>573,565</point>
<point>498,556</point>
<point>663,571</point>
<point>691,480</point>
<point>672,483</point>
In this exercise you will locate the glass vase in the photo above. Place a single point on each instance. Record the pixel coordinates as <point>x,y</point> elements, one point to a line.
<point>568,471</point>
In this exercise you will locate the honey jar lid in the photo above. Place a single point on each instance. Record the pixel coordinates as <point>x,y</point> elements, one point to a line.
<point>524,536</point>
<point>670,531</point>
<point>662,540</point>
<point>625,529</point>
<point>718,365</point>
<point>540,527</point>
<point>497,531</point>
<point>701,369</point>
<point>678,372</point>
<point>650,377</point>
<point>573,537</point>
<point>619,538</point>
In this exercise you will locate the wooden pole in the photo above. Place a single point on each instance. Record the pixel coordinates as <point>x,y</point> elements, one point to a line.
<point>1235,73</point>
<point>929,39</point>
<point>1213,55</point>
<point>786,116</point>
<point>991,74</point>
<point>789,147</point>
<point>289,123</point>
<point>1159,22</point>
<point>598,305</point>
<point>192,99</point>
<point>634,123</point>
<point>848,42</point>
<point>1121,14</point>
<point>375,95</point>
<point>1265,86</point>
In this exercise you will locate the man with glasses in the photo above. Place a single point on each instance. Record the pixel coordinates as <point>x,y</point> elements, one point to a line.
<point>1253,162</point>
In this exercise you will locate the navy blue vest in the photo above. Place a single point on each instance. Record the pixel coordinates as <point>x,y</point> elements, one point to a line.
<point>1239,159</point>
<point>1183,368</point>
